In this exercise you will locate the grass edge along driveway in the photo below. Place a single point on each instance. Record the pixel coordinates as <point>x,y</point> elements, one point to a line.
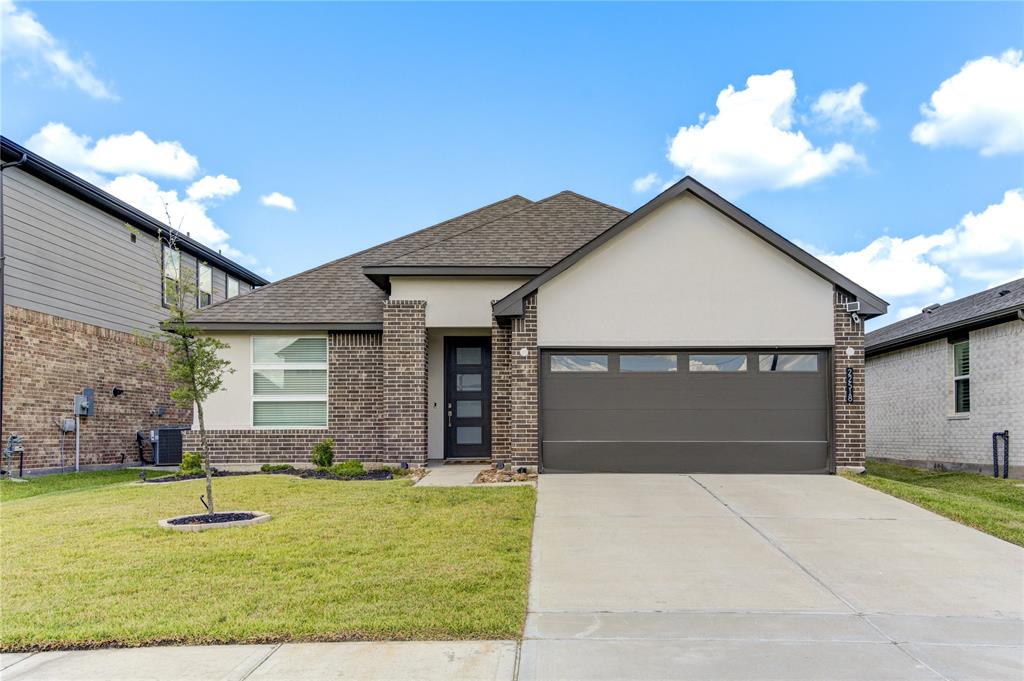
<point>339,561</point>
<point>992,505</point>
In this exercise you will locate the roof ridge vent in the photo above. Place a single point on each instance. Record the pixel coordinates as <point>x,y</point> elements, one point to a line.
<point>931,308</point>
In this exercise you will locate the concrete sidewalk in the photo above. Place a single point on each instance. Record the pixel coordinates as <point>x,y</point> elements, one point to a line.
<point>386,661</point>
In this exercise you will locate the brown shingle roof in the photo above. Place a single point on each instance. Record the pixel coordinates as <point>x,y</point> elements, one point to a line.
<point>947,318</point>
<point>338,292</point>
<point>538,235</point>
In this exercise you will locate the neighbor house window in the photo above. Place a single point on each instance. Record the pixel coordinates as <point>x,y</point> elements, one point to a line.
<point>579,363</point>
<point>172,274</point>
<point>721,363</point>
<point>629,364</point>
<point>232,286</point>
<point>289,381</point>
<point>204,296</point>
<point>780,362</point>
<point>962,377</point>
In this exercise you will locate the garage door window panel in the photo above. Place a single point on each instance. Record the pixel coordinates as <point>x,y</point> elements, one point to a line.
<point>716,363</point>
<point>789,363</point>
<point>584,364</point>
<point>648,364</point>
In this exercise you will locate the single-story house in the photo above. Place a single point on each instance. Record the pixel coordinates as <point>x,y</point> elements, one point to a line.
<point>943,381</point>
<point>564,334</point>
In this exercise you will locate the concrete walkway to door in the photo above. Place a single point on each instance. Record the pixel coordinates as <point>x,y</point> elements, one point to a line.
<point>763,577</point>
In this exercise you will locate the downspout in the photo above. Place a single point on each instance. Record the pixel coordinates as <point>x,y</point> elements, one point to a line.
<point>3,276</point>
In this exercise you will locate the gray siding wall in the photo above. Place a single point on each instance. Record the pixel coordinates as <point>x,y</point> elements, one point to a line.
<point>71,260</point>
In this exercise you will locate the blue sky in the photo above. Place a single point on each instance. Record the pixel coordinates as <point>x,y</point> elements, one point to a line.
<point>376,120</point>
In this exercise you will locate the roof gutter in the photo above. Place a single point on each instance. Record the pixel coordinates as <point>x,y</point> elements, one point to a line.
<point>972,324</point>
<point>286,326</point>
<point>75,186</point>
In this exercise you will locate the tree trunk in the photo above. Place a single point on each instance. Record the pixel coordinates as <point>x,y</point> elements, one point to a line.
<point>206,457</point>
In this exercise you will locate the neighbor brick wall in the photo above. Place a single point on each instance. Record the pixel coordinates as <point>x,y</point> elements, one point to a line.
<point>48,359</point>
<point>354,413</point>
<point>523,429</point>
<point>501,388</point>
<point>910,404</point>
<point>848,417</point>
<point>404,359</point>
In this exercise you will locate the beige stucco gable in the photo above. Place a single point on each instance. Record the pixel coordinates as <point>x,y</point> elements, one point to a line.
<point>685,275</point>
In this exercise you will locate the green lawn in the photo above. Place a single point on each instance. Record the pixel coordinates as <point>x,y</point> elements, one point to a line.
<point>991,505</point>
<point>66,482</point>
<point>340,560</point>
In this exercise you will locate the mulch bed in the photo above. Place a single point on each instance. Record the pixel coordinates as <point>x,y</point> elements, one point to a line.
<point>298,472</point>
<point>208,519</point>
<point>504,475</point>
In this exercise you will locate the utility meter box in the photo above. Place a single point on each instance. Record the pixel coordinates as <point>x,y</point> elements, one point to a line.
<point>84,403</point>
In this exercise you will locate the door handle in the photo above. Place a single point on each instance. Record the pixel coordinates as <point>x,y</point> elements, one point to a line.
<point>449,414</point>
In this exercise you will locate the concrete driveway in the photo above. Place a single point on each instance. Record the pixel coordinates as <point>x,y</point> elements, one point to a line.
<point>763,577</point>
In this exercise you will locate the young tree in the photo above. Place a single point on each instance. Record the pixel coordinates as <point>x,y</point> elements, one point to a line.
<point>193,364</point>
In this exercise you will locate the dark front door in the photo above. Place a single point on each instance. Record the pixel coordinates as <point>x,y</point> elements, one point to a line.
<point>467,387</point>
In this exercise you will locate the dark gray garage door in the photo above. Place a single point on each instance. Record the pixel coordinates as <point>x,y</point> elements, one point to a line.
<point>711,411</point>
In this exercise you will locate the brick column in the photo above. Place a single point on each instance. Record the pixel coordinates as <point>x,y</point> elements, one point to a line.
<point>848,416</point>
<point>523,428</point>
<point>501,384</point>
<point>355,394</point>
<point>404,358</point>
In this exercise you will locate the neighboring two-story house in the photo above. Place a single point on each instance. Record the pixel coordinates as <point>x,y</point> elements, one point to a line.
<point>941,382</point>
<point>83,285</point>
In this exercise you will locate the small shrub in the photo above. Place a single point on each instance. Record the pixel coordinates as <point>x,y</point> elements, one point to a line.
<point>397,471</point>
<point>348,469</point>
<point>323,453</point>
<point>275,467</point>
<point>191,463</point>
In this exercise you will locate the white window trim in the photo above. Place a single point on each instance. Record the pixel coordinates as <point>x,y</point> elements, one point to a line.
<point>319,366</point>
<point>964,377</point>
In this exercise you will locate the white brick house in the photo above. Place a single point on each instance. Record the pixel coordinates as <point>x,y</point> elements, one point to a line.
<point>941,382</point>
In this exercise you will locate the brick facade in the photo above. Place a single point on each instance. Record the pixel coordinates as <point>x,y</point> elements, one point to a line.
<point>404,361</point>
<point>523,430</point>
<point>501,389</point>
<point>848,417</point>
<point>48,359</point>
<point>910,412</point>
<point>355,377</point>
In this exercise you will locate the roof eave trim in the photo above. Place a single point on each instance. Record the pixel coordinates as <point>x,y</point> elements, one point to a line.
<point>871,304</point>
<point>380,274</point>
<point>288,326</point>
<point>75,186</point>
<point>971,324</point>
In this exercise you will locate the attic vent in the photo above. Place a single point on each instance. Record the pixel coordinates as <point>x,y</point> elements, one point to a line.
<point>1004,292</point>
<point>930,308</point>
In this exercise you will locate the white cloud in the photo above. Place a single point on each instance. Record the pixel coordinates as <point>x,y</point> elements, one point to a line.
<point>988,246</point>
<point>750,143</point>
<point>985,249</point>
<point>844,109</point>
<point>123,164</point>
<point>980,107</point>
<point>213,187</point>
<point>642,185</point>
<point>27,40</point>
<point>908,311</point>
<point>125,153</point>
<point>187,215</point>
<point>278,200</point>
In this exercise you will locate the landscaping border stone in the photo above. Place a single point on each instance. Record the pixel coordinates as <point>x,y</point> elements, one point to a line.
<point>258,517</point>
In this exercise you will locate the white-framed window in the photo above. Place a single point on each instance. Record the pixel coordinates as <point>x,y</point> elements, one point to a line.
<point>204,290</point>
<point>289,381</point>
<point>171,274</point>
<point>232,286</point>
<point>962,377</point>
